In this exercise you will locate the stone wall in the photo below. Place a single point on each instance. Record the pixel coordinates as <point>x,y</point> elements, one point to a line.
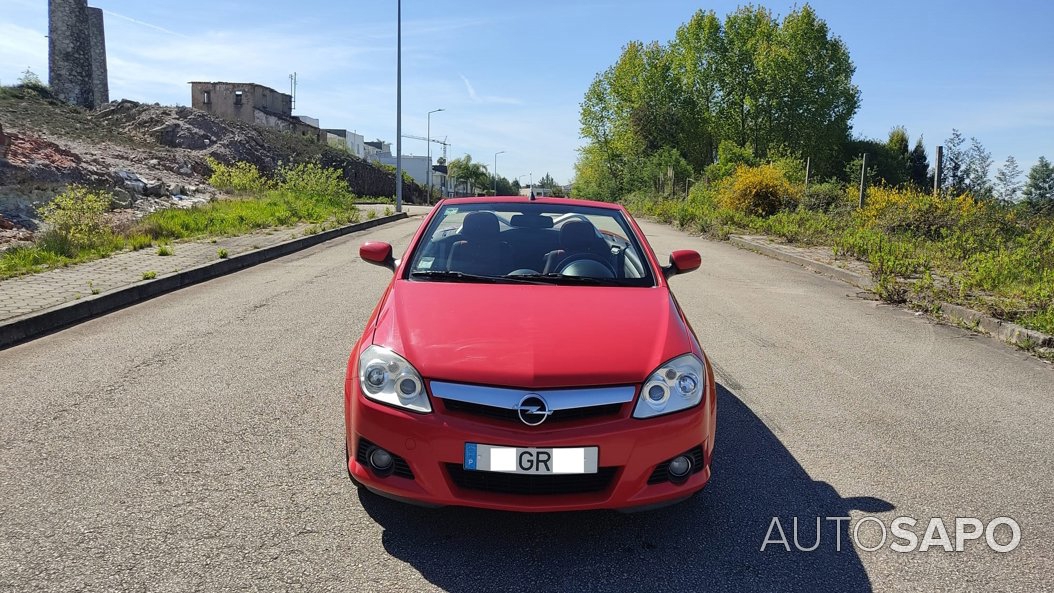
<point>69,52</point>
<point>97,39</point>
<point>367,180</point>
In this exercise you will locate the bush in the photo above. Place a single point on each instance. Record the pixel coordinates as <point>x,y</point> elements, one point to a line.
<point>78,215</point>
<point>239,177</point>
<point>885,256</point>
<point>827,197</point>
<point>314,181</point>
<point>761,190</point>
<point>729,156</point>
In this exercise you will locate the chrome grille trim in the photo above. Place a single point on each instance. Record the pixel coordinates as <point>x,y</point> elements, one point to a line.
<point>509,399</point>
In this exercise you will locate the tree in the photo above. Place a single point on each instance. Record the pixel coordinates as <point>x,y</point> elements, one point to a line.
<point>504,187</point>
<point>978,164</point>
<point>1008,181</point>
<point>752,80</point>
<point>470,175</point>
<point>954,163</point>
<point>1039,189</point>
<point>919,167</point>
<point>895,166</point>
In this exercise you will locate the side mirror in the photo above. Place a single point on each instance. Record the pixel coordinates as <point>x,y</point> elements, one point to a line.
<point>377,253</point>
<point>682,261</point>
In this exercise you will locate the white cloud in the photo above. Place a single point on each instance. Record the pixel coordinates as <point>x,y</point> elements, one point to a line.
<point>145,24</point>
<point>471,91</point>
<point>476,98</point>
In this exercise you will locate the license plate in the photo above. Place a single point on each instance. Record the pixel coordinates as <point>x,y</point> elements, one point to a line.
<point>531,460</point>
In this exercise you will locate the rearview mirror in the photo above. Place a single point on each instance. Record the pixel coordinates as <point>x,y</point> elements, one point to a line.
<point>377,253</point>
<point>682,261</point>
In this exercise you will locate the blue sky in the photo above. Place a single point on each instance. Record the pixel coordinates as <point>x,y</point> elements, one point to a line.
<point>511,75</point>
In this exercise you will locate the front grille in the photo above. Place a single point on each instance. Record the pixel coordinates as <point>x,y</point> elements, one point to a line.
<point>660,474</point>
<point>529,484</point>
<point>400,467</point>
<point>506,414</point>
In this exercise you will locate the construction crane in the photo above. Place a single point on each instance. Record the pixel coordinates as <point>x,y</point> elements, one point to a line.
<point>444,144</point>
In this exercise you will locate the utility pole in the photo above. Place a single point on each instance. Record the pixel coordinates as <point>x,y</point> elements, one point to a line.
<point>808,164</point>
<point>496,171</point>
<point>938,170</point>
<point>399,107</point>
<point>863,179</point>
<point>428,141</point>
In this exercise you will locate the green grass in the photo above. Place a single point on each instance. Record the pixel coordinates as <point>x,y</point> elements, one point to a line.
<point>222,253</point>
<point>52,250</point>
<point>305,193</point>
<point>274,208</point>
<point>920,250</point>
<point>149,275</point>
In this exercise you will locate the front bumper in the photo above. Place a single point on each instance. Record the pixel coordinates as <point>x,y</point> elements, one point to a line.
<point>433,445</point>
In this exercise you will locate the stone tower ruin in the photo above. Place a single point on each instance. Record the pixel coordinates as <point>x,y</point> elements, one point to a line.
<point>100,82</point>
<point>77,53</point>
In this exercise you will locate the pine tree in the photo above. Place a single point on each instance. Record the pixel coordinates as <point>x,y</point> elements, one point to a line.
<point>1008,181</point>
<point>1039,189</point>
<point>975,171</point>
<point>954,163</point>
<point>919,166</point>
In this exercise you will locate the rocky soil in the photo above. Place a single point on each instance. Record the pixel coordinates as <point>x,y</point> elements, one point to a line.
<point>148,156</point>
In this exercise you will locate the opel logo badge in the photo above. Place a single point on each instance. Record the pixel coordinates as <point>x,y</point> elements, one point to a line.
<point>533,410</point>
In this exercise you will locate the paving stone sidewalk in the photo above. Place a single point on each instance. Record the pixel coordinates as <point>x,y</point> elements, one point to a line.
<point>27,294</point>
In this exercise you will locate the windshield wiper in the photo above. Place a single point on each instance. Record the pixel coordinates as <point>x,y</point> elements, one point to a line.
<point>562,279</point>
<point>453,276</point>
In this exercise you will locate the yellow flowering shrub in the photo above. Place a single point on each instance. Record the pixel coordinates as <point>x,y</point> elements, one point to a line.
<point>761,190</point>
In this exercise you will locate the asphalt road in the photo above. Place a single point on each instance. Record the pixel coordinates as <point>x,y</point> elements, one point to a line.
<point>195,442</point>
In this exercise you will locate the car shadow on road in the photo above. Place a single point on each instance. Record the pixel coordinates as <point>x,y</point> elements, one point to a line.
<point>710,542</point>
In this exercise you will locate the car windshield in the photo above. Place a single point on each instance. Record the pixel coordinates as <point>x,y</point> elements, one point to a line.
<point>566,244</point>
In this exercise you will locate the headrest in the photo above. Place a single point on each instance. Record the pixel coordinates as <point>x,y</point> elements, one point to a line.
<point>577,235</point>
<point>531,221</point>
<point>480,225</point>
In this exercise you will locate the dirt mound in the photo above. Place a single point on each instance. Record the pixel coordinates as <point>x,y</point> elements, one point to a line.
<point>147,156</point>
<point>182,127</point>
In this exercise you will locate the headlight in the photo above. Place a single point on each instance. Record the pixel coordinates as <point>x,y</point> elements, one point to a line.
<point>676,385</point>
<point>386,377</point>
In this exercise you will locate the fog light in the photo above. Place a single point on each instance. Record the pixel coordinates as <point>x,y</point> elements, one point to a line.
<point>679,467</point>
<point>381,461</point>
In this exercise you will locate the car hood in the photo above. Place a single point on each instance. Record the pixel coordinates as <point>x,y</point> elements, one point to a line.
<point>531,336</point>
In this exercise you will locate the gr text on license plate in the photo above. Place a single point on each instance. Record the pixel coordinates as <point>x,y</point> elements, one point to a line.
<point>531,460</point>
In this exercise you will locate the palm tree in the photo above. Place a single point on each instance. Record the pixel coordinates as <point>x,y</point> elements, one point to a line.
<point>473,173</point>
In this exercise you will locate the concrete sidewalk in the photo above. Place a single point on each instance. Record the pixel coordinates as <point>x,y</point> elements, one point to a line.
<point>25,297</point>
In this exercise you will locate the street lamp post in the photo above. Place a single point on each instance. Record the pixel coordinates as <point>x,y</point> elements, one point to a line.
<point>399,107</point>
<point>531,175</point>
<point>429,142</point>
<point>496,170</point>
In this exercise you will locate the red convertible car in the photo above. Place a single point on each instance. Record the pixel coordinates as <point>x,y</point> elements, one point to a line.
<point>528,355</point>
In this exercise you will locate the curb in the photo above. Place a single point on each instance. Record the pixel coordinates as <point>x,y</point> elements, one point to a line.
<point>33,325</point>
<point>1010,333</point>
<point>853,278</point>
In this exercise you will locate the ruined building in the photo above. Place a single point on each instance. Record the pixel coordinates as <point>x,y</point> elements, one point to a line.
<point>253,104</point>
<point>77,53</point>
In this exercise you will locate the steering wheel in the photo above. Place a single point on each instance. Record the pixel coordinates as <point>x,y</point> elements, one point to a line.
<point>575,257</point>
